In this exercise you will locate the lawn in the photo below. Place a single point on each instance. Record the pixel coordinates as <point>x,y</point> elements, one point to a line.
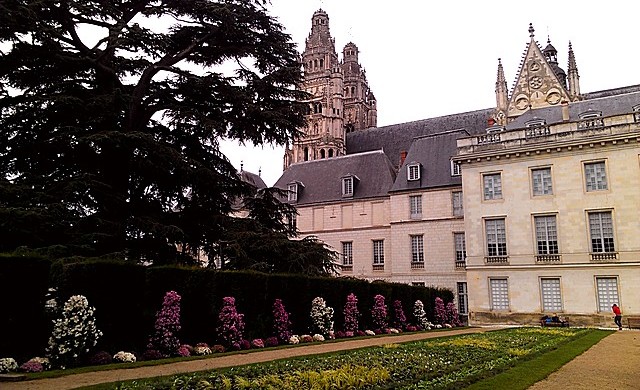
<point>513,359</point>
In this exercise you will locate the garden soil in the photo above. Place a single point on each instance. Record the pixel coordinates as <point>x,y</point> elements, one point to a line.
<point>611,364</point>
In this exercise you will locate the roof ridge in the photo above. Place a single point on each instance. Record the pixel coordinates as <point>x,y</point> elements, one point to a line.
<point>442,133</point>
<point>377,151</point>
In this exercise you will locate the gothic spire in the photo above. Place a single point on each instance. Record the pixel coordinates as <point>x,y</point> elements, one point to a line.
<point>574,78</point>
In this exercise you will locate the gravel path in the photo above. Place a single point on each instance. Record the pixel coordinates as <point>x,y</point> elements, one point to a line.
<point>97,377</point>
<point>612,364</point>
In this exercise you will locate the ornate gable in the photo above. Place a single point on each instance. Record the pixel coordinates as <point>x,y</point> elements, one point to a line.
<point>536,84</point>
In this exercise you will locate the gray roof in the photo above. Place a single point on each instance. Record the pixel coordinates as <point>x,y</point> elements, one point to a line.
<point>322,179</point>
<point>394,139</point>
<point>433,153</point>
<point>611,92</point>
<point>253,179</point>
<point>609,105</point>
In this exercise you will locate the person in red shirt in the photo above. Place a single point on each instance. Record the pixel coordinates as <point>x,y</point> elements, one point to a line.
<point>618,317</point>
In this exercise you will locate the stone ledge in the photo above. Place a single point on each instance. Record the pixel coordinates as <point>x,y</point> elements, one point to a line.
<point>12,377</point>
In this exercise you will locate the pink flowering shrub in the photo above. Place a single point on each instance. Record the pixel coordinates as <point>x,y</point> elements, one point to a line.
<point>257,343</point>
<point>152,354</point>
<point>185,350</point>
<point>452,315</point>
<point>165,338</point>
<point>351,314</point>
<point>99,358</point>
<point>32,366</point>
<point>230,324</point>
<point>245,344</point>
<point>399,319</point>
<point>441,312</point>
<point>218,348</point>
<point>281,323</point>
<point>379,312</point>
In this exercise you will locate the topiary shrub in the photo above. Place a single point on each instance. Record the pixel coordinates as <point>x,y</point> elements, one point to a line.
<point>165,338</point>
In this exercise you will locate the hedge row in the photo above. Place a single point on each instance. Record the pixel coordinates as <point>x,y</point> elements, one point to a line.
<point>126,297</point>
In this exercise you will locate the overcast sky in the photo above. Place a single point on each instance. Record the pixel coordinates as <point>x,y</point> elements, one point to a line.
<point>425,59</point>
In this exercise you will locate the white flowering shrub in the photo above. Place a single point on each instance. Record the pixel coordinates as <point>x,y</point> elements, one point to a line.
<point>318,337</point>
<point>124,357</point>
<point>8,365</point>
<point>369,332</point>
<point>321,316</point>
<point>421,315</point>
<point>74,334</point>
<point>294,339</point>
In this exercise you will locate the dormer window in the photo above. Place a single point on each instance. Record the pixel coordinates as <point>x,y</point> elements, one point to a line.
<point>636,113</point>
<point>590,114</point>
<point>535,122</point>
<point>590,119</point>
<point>413,171</point>
<point>456,168</point>
<point>347,186</point>
<point>495,129</point>
<point>293,192</point>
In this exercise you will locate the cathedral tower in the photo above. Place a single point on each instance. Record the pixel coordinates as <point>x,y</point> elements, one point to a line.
<point>340,99</point>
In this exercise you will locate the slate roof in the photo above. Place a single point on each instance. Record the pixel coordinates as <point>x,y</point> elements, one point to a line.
<point>322,179</point>
<point>433,153</point>
<point>611,92</point>
<point>396,138</point>
<point>252,179</point>
<point>609,105</point>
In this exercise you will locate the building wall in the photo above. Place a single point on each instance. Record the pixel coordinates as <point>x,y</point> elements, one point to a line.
<point>570,203</point>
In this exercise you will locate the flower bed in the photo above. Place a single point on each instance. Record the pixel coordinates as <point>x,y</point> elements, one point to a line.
<point>435,364</point>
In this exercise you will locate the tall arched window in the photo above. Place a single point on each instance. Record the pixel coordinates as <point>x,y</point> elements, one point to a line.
<point>315,63</point>
<point>321,153</point>
<point>353,91</point>
<point>306,154</point>
<point>330,152</point>
<point>321,63</point>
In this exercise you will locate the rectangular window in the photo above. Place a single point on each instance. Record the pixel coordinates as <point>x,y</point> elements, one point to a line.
<point>378,252</point>
<point>293,192</point>
<point>292,220</point>
<point>546,235</point>
<point>492,186</point>
<point>496,237</point>
<point>456,201</point>
<point>595,176</point>
<point>463,298</point>
<point>551,298</point>
<point>417,249</point>
<point>601,230</point>
<point>413,172</point>
<point>415,206</point>
<point>461,249</point>
<point>347,186</point>
<point>347,253</point>
<point>499,290</point>
<point>456,168</point>
<point>607,293</point>
<point>541,179</point>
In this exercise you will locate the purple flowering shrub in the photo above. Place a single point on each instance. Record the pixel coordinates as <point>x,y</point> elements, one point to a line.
<point>452,315</point>
<point>281,323</point>
<point>257,343</point>
<point>351,314</point>
<point>399,319</point>
<point>379,312</point>
<point>165,338</point>
<point>152,354</point>
<point>441,312</point>
<point>230,324</point>
<point>245,344</point>
<point>100,358</point>
<point>185,350</point>
<point>218,348</point>
<point>271,342</point>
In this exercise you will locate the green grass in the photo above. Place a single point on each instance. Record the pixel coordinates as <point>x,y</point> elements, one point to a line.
<point>525,374</point>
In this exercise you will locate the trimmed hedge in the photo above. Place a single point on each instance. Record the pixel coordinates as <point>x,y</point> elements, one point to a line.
<point>127,296</point>
<point>24,326</point>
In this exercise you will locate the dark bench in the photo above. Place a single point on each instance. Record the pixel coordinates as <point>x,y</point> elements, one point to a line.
<point>633,322</point>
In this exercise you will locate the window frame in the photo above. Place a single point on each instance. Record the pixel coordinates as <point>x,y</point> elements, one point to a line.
<point>413,171</point>
<point>460,248</point>
<point>499,251</point>
<point>378,252</point>
<point>493,195</point>
<point>463,297</point>
<point>347,184</point>
<point>533,172</point>
<point>556,304</point>
<point>460,213</point>
<point>494,298</point>
<point>606,307</point>
<point>587,181</point>
<point>456,168</point>
<point>605,247</point>
<point>417,250</point>
<point>417,212</point>
<point>292,195</point>
<point>347,253</point>
<point>549,248</point>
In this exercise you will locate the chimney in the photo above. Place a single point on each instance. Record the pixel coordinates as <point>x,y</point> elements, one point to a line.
<point>565,111</point>
<point>403,156</point>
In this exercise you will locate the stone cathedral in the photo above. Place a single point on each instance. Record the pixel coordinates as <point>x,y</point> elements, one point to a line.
<point>341,100</point>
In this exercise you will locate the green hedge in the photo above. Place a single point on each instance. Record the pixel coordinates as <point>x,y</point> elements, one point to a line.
<point>24,325</point>
<point>126,297</point>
